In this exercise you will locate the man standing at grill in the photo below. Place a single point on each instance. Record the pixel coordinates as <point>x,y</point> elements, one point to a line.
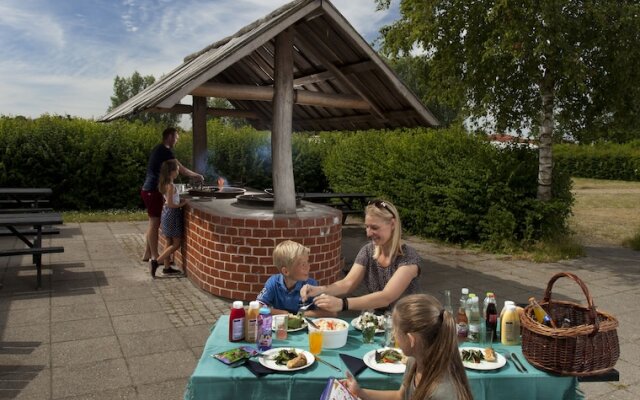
<point>152,197</point>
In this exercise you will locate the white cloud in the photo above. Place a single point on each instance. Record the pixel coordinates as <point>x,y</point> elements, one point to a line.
<point>31,23</point>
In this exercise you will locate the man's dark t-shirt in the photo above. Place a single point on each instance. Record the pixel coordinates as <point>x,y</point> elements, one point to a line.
<point>159,154</point>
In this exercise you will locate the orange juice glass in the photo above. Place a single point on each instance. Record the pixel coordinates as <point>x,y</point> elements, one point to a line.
<point>315,342</point>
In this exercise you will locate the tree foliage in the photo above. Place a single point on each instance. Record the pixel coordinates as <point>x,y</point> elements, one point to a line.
<point>535,65</point>
<point>125,88</point>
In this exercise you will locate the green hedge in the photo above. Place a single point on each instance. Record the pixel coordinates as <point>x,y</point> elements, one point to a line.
<point>450,185</point>
<point>600,161</point>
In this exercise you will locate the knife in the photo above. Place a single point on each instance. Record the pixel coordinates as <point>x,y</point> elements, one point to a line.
<point>311,322</point>
<point>329,364</point>
<point>515,357</point>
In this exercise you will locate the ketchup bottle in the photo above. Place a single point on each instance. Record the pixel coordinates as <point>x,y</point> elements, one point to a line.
<point>236,322</point>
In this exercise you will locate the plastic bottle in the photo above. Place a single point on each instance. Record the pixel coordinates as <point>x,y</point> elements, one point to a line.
<point>504,308</point>
<point>468,307</point>
<point>462,322</point>
<point>510,328</point>
<point>474,320</point>
<point>486,303</point>
<point>236,322</point>
<point>251,332</point>
<point>541,314</point>
<point>491,318</point>
<point>264,329</point>
<point>389,340</point>
<point>447,301</point>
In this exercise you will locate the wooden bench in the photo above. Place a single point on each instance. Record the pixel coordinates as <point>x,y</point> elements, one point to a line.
<point>36,221</point>
<point>25,210</point>
<point>24,197</point>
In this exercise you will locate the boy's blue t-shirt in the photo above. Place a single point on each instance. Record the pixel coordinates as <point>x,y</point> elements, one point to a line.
<point>276,295</point>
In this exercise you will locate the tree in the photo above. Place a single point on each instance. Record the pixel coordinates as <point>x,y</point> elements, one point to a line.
<point>125,88</point>
<point>537,65</point>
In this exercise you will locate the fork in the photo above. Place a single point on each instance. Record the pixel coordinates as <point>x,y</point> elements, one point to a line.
<point>507,355</point>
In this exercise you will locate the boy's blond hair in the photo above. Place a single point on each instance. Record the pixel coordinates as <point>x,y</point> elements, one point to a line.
<point>286,253</point>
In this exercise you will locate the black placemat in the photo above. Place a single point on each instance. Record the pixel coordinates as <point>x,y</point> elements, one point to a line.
<point>355,364</point>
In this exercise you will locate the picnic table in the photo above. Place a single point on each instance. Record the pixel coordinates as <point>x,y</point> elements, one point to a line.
<point>24,197</point>
<point>37,221</point>
<point>347,203</point>
<point>214,380</point>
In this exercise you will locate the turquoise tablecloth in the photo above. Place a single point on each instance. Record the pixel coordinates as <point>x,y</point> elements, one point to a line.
<point>214,380</point>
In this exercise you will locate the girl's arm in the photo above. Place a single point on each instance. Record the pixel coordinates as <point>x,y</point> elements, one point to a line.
<point>169,191</point>
<point>391,292</point>
<point>368,394</point>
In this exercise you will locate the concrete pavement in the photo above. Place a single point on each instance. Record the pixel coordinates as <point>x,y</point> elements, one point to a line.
<point>100,328</point>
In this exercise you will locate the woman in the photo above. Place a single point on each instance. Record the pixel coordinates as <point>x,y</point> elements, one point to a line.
<point>388,267</point>
<point>426,333</point>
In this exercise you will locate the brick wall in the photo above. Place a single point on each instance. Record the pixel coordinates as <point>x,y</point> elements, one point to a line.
<point>230,256</point>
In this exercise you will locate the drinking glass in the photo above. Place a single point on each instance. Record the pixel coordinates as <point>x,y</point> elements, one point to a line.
<point>368,333</point>
<point>281,322</point>
<point>315,342</point>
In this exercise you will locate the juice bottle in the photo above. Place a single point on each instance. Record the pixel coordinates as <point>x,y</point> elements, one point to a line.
<point>236,322</point>
<point>541,314</point>
<point>462,322</point>
<point>510,329</point>
<point>251,334</point>
<point>504,308</point>
<point>264,329</point>
<point>468,305</point>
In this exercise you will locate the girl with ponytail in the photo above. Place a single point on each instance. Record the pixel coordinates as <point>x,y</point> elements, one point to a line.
<point>426,333</point>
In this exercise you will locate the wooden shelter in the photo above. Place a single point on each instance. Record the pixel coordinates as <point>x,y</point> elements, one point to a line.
<point>303,67</point>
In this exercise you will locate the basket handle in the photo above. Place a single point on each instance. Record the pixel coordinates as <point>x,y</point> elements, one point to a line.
<point>592,308</point>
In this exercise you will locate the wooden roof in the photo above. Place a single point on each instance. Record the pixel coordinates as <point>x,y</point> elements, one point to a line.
<point>340,82</point>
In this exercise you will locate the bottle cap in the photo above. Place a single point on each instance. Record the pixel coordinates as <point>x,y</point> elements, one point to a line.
<point>465,290</point>
<point>472,295</point>
<point>511,307</point>
<point>237,304</point>
<point>508,302</point>
<point>254,304</point>
<point>265,310</point>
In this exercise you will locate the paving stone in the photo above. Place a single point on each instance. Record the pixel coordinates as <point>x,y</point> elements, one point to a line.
<point>134,306</point>
<point>115,293</point>
<point>85,351</point>
<point>24,353</point>
<point>83,379</point>
<point>161,367</point>
<point>25,383</point>
<point>149,342</point>
<point>29,333</point>
<point>14,303</point>
<point>78,311</point>
<point>127,393</point>
<point>81,329</point>
<point>141,322</point>
<point>71,271</point>
<point>169,390</point>
<point>72,297</point>
<point>27,316</point>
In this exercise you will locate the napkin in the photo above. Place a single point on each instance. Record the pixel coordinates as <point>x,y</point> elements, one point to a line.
<point>355,364</point>
<point>257,369</point>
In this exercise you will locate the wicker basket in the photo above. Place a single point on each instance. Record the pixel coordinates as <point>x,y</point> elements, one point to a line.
<point>588,347</point>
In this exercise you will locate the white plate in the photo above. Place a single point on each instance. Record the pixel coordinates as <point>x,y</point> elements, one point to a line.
<point>303,326</point>
<point>483,365</point>
<point>396,368</point>
<point>268,361</point>
<point>356,324</point>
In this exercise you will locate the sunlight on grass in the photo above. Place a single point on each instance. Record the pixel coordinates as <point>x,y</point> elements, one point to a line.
<point>555,249</point>
<point>104,216</point>
<point>633,242</point>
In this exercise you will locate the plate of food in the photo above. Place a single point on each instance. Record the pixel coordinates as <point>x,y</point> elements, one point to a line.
<point>366,317</point>
<point>388,360</point>
<point>482,359</point>
<point>295,323</point>
<point>286,359</point>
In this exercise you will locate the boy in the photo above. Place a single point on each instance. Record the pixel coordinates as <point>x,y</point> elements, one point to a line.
<point>281,292</point>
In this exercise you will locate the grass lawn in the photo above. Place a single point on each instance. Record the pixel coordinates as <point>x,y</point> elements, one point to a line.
<point>605,212</point>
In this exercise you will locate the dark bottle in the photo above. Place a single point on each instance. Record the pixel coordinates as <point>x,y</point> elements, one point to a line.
<point>491,321</point>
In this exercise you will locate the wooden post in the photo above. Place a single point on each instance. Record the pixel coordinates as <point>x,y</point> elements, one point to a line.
<point>283,183</point>
<point>199,121</point>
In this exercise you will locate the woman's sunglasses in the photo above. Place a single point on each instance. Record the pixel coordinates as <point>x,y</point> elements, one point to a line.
<point>381,204</point>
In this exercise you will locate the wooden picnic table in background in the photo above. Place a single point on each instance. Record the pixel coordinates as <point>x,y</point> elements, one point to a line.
<point>348,203</point>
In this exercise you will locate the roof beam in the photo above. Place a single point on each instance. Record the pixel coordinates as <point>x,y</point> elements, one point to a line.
<point>327,75</point>
<point>261,93</point>
<point>215,112</point>
<point>394,115</point>
<point>302,43</point>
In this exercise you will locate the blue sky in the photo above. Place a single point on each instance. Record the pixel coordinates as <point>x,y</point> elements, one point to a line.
<point>61,56</point>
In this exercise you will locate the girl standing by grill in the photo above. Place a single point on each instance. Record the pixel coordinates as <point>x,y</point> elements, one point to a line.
<point>171,218</point>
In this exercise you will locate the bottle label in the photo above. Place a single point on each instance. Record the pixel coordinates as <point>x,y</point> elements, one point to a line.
<point>493,318</point>
<point>463,329</point>
<point>237,332</point>
<point>264,333</point>
<point>252,327</point>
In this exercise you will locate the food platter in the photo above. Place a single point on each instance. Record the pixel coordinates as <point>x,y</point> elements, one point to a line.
<point>303,326</point>
<point>268,361</point>
<point>389,368</point>
<point>483,365</point>
<point>356,324</point>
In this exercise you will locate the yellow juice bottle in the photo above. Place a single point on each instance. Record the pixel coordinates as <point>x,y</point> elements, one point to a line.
<point>510,327</point>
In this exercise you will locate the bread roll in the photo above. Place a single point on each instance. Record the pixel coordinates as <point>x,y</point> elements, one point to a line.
<point>299,361</point>
<point>490,355</point>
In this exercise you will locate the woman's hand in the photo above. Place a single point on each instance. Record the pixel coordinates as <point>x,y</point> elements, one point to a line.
<point>328,303</point>
<point>310,291</point>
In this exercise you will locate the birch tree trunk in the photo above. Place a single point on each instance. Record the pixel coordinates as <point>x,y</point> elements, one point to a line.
<point>545,160</point>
